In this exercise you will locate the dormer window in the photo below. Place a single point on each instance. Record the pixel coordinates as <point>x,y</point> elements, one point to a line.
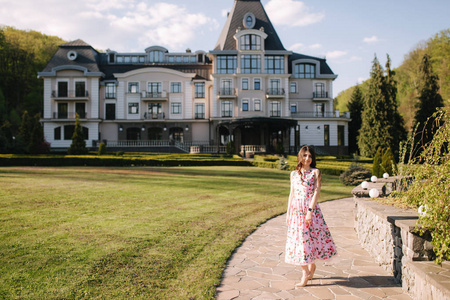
<point>305,71</point>
<point>250,42</point>
<point>156,56</point>
<point>249,20</point>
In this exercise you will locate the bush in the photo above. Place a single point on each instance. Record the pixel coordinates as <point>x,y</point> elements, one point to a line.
<point>376,169</point>
<point>102,149</point>
<point>355,175</point>
<point>283,164</point>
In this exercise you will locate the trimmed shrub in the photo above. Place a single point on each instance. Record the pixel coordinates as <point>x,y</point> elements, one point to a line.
<point>355,175</point>
<point>376,169</point>
<point>102,149</point>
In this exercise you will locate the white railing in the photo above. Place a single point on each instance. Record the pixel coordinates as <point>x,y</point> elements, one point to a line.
<point>191,147</point>
<point>253,148</point>
<point>207,149</point>
<point>132,143</point>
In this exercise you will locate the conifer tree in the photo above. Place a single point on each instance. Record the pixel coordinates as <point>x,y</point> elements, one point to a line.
<point>78,145</point>
<point>387,162</point>
<point>355,107</point>
<point>37,144</point>
<point>24,136</point>
<point>376,166</point>
<point>375,128</point>
<point>429,100</point>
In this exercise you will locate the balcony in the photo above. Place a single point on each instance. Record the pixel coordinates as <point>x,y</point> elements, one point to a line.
<point>154,96</point>
<point>199,115</point>
<point>327,114</point>
<point>69,115</point>
<point>275,93</point>
<point>70,95</point>
<point>153,116</point>
<point>227,93</point>
<point>320,95</point>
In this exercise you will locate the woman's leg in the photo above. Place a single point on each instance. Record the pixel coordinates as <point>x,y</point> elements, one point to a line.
<point>305,277</point>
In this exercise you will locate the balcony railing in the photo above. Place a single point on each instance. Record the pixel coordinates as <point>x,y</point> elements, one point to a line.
<point>70,94</point>
<point>270,93</point>
<point>227,92</point>
<point>199,115</point>
<point>275,113</point>
<point>153,95</point>
<point>320,94</point>
<point>69,115</point>
<point>152,116</point>
<point>327,114</point>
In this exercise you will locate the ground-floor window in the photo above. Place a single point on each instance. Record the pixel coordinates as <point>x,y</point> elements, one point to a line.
<point>326,135</point>
<point>134,133</point>
<point>69,129</point>
<point>110,111</point>
<point>176,134</point>
<point>341,135</point>
<point>154,133</point>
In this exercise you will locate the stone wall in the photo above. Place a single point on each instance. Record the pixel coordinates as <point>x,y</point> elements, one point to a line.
<point>388,234</point>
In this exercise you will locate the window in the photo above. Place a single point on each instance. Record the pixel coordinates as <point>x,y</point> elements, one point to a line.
<point>319,90</point>
<point>226,87</point>
<point>62,111</point>
<point>293,108</point>
<point>341,135</point>
<point>293,87</point>
<point>227,108</point>
<point>80,109</point>
<point>63,89</point>
<point>274,64</point>
<point>226,64</point>
<point>176,134</point>
<point>126,59</point>
<point>250,42</point>
<point>244,105</point>
<point>326,135</point>
<point>305,71</point>
<point>185,59</point>
<point>257,105</point>
<point>245,83</point>
<point>257,84</point>
<point>192,59</point>
<point>275,87</point>
<point>200,111</point>
<point>110,90</point>
<point>156,56</point>
<point>134,59</point>
<point>175,87</point>
<point>80,89</point>
<point>171,59</point>
<point>110,111</point>
<point>142,59</point>
<point>199,90</point>
<point>133,108</point>
<point>154,110</point>
<point>57,133</point>
<point>249,20</point>
<point>111,58</point>
<point>120,59</point>
<point>319,109</point>
<point>133,87</point>
<point>176,108</point>
<point>68,132</point>
<point>154,89</point>
<point>251,64</point>
<point>275,109</point>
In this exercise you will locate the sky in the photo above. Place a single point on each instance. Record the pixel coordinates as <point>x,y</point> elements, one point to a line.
<point>348,33</point>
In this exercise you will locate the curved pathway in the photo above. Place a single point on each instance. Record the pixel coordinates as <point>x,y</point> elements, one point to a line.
<point>257,269</point>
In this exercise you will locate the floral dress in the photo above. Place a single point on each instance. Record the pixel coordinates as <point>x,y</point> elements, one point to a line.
<point>306,243</point>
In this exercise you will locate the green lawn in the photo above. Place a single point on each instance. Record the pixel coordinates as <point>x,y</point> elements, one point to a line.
<point>149,233</point>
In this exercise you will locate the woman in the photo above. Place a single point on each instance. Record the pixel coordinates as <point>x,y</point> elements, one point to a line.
<point>308,236</point>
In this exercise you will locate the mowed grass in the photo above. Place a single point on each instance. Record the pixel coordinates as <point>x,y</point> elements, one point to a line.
<point>144,232</point>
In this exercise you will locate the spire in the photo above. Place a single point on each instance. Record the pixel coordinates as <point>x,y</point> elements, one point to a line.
<point>235,21</point>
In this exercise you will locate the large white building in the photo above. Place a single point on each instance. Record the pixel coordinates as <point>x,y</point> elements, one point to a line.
<point>249,90</point>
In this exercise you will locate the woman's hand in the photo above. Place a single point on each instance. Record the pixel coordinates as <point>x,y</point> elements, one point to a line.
<point>308,218</point>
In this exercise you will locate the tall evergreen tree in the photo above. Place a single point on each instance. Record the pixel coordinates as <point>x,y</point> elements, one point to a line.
<point>429,100</point>
<point>24,136</point>
<point>375,128</point>
<point>37,144</point>
<point>78,145</point>
<point>382,125</point>
<point>355,107</point>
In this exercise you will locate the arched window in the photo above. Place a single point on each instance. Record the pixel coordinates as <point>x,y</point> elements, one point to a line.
<point>176,134</point>
<point>305,71</point>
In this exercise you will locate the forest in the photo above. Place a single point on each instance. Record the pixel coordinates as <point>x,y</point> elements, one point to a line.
<point>407,74</point>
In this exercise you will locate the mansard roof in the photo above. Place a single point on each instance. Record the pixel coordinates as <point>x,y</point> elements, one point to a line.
<point>86,57</point>
<point>235,20</point>
<point>324,68</point>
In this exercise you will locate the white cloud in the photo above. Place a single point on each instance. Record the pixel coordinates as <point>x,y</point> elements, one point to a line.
<point>311,49</point>
<point>335,54</point>
<point>291,13</point>
<point>372,39</point>
<point>361,79</point>
<point>122,25</point>
<point>315,46</point>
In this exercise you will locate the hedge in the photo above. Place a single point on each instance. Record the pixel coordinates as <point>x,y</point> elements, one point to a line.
<point>122,161</point>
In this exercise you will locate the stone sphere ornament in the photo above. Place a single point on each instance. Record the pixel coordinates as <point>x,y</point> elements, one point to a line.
<point>364,185</point>
<point>385,175</point>
<point>374,193</point>
<point>373,178</point>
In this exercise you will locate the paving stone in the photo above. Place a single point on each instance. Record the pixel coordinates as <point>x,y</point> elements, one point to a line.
<point>257,269</point>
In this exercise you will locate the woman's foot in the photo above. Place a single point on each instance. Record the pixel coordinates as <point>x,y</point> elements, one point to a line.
<point>305,278</point>
<point>312,269</point>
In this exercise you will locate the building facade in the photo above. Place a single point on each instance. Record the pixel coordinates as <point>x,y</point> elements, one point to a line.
<point>249,91</point>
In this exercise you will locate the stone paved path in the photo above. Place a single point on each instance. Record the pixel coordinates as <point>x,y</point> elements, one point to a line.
<point>257,269</point>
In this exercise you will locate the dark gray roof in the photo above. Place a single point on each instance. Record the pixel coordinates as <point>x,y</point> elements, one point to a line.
<point>324,68</point>
<point>234,21</point>
<point>87,57</point>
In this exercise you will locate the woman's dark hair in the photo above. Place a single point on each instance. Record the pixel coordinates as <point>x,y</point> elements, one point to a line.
<point>302,151</point>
